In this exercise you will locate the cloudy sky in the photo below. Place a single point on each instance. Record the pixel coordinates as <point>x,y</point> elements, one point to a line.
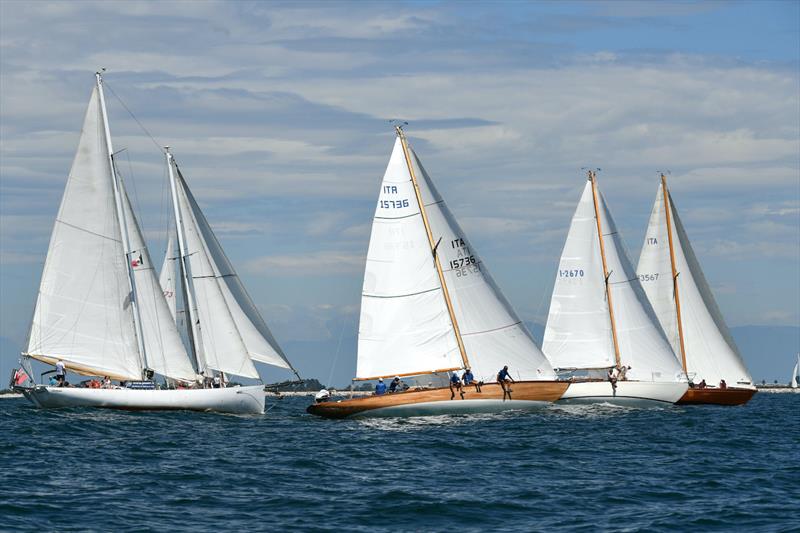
<point>278,115</point>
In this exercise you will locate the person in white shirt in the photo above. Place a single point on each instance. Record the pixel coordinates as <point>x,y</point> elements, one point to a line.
<point>61,373</point>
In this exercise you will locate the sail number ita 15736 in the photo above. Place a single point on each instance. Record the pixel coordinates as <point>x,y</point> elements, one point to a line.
<point>393,204</point>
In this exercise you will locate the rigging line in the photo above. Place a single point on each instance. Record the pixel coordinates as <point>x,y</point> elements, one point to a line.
<point>158,145</point>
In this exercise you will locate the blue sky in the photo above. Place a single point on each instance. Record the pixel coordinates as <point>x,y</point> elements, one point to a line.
<point>277,113</point>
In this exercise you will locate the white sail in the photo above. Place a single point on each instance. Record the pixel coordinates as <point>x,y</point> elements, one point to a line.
<point>492,333</point>
<point>83,310</point>
<point>796,372</point>
<point>256,336</point>
<point>642,343</point>
<point>166,354</point>
<point>711,353</point>
<point>578,333</point>
<point>221,345</point>
<point>404,327</point>
<point>168,276</point>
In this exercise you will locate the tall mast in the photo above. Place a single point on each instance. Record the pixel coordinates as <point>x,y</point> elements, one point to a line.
<point>593,181</point>
<point>432,244</point>
<point>137,319</point>
<point>668,214</point>
<point>183,257</point>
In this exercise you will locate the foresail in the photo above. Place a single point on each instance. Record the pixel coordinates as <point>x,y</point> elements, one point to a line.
<point>711,353</point>
<point>168,275</point>
<point>492,333</point>
<point>404,327</point>
<point>256,336</point>
<point>166,353</point>
<point>642,343</point>
<point>221,343</point>
<point>578,331</point>
<point>83,310</point>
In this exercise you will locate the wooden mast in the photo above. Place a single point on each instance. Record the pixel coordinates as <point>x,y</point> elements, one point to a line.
<point>593,181</point>
<point>433,245</point>
<point>667,213</point>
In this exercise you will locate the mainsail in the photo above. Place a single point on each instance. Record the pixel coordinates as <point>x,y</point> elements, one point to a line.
<point>83,312</point>
<point>796,372</point>
<point>707,346</point>
<point>405,326</point>
<point>580,332</point>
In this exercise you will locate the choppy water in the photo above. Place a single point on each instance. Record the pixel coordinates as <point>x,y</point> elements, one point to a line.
<point>564,468</point>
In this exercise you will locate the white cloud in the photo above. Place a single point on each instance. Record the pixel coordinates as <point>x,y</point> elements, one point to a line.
<point>299,265</point>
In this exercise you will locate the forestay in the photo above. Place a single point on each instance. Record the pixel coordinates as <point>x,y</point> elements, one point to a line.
<point>166,354</point>
<point>710,351</point>
<point>404,326</point>
<point>492,333</point>
<point>83,310</point>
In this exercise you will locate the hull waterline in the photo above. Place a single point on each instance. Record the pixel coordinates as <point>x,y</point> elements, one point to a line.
<point>729,396</point>
<point>235,400</point>
<point>427,402</point>
<point>630,393</point>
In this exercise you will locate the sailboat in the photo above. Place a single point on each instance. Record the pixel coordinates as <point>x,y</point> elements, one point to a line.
<point>796,373</point>
<point>429,309</point>
<point>676,287</point>
<point>100,308</point>
<point>600,322</point>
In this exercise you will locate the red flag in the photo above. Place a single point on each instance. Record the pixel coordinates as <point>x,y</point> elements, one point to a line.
<point>20,377</point>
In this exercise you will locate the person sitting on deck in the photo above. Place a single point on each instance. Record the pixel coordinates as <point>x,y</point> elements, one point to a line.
<point>622,372</point>
<point>380,388</point>
<point>468,379</point>
<point>107,383</point>
<point>53,382</point>
<point>702,385</point>
<point>503,377</point>
<point>455,385</point>
<point>722,384</point>
<point>394,384</point>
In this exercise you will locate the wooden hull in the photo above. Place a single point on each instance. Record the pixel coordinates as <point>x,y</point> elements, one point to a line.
<point>235,400</point>
<point>632,393</point>
<point>426,402</point>
<point>729,396</point>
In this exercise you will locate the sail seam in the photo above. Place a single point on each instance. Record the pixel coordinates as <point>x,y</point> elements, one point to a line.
<point>397,218</point>
<point>491,330</point>
<point>87,231</point>
<point>401,295</point>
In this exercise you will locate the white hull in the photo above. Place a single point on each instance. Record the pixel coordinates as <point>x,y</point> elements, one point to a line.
<point>628,392</point>
<point>452,407</point>
<point>237,400</point>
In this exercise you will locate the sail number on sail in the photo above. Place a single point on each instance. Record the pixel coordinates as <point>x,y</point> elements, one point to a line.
<point>571,273</point>
<point>648,277</point>
<point>393,204</point>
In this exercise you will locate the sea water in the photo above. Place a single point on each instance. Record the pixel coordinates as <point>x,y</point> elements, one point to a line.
<point>583,468</point>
